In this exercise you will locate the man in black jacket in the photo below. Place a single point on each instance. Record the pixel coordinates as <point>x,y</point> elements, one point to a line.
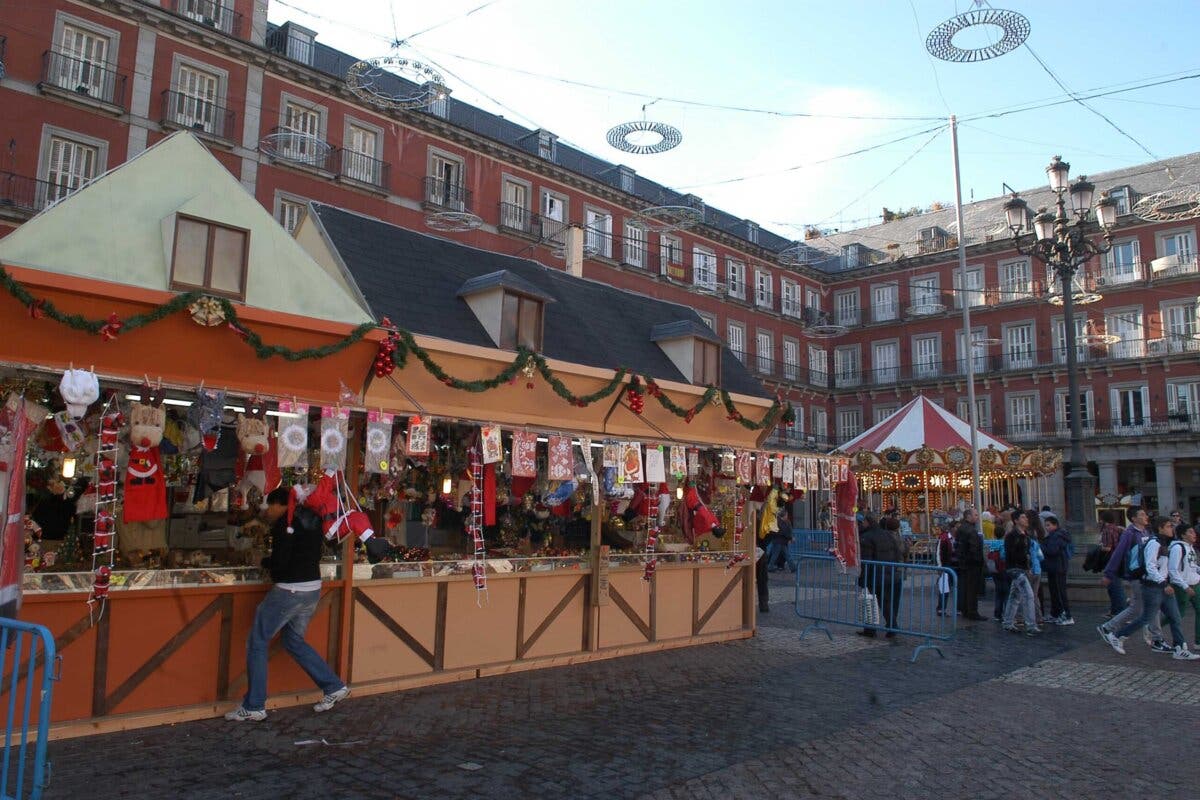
<point>882,545</point>
<point>289,605</point>
<point>969,547</point>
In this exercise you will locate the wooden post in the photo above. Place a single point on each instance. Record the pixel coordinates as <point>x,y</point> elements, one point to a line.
<point>599,593</point>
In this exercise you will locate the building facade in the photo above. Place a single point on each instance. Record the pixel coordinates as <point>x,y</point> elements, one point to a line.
<point>89,84</point>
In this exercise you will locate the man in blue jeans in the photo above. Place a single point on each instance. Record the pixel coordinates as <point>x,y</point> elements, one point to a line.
<point>289,605</point>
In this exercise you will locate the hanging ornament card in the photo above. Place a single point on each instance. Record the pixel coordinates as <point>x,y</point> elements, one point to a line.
<point>787,470</point>
<point>418,436</point>
<point>796,472</point>
<point>378,442</point>
<point>656,468</point>
<point>678,461</point>
<point>762,469</point>
<point>743,468</point>
<point>561,463</point>
<point>585,447</point>
<point>843,470</point>
<point>693,463</point>
<point>524,454</point>
<point>810,469</point>
<point>335,424</point>
<point>777,466</point>
<point>292,427</point>
<point>823,465</point>
<point>489,438</point>
<point>631,463</point>
<point>612,454</point>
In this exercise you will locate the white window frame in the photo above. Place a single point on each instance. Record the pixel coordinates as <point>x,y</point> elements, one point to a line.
<point>1016,280</point>
<point>818,365</point>
<point>889,372</point>
<point>297,149</point>
<point>1174,339</point>
<point>924,290</point>
<point>1022,415</point>
<point>849,423</point>
<point>791,358</point>
<point>881,411</point>
<point>1183,405</point>
<point>846,308</point>
<point>670,249</point>
<point>887,307</point>
<point>812,298</point>
<point>983,411</point>
<point>1062,423</point>
<point>1118,271</point>
<point>1058,331</point>
<point>789,297</point>
<point>362,170</point>
<point>1130,324</point>
<point>516,216</point>
<point>635,244</point>
<point>736,333</point>
<point>735,277</point>
<point>923,366</point>
<point>764,350</point>
<point>597,230</point>
<point>978,353</point>
<point>764,289</point>
<point>1162,238</point>
<point>1024,334</point>
<point>550,203</point>
<point>284,200</point>
<point>185,117</point>
<point>1123,423</point>
<point>436,160</point>
<point>111,52</point>
<point>820,424</point>
<point>704,268</point>
<point>973,289</point>
<point>709,319</point>
<point>1123,197</point>
<point>847,365</point>
<point>56,192</point>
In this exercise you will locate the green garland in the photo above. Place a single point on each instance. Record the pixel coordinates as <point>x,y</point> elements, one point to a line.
<point>525,361</point>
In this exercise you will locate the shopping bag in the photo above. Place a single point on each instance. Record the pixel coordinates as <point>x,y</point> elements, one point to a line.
<point>868,607</point>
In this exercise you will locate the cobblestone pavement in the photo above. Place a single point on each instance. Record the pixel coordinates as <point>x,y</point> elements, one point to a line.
<point>772,717</point>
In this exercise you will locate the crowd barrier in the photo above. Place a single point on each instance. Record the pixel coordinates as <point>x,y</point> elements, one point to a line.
<point>909,599</point>
<point>29,662</point>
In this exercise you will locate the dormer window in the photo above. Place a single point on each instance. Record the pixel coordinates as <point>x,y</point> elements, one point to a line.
<point>693,348</point>
<point>1123,197</point>
<point>706,363</point>
<point>520,322</point>
<point>210,256</point>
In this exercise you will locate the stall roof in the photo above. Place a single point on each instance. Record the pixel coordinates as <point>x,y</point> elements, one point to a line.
<point>415,280</point>
<point>920,423</point>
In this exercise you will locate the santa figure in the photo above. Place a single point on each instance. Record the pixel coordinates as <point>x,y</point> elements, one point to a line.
<point>145,486</point>
<point>257,467</point>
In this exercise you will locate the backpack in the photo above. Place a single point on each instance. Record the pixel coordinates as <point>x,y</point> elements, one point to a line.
<point>1135,562</point>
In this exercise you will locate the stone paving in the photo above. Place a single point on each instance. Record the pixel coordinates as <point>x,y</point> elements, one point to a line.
<point>772,717</point>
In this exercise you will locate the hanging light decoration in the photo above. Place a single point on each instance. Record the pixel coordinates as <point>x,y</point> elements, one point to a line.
<point>644,137</point>
<point>1014,30</point>
<point>396,82</point>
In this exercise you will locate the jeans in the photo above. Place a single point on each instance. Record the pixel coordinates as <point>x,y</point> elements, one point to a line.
<point>776,548</point>
<point>287,613</point>
<point>1117,602</point>
<point>1184,601</point>
<point>1153,600</point>
<point>1020,599</point>
<point>1134,611</point>
<point>1000,584</point>
<point>1059,605</point>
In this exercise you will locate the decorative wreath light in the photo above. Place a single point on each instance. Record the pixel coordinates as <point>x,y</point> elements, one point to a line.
<point>666,219</point>
<point>1015,28</point>
<point>669,136</point>
<point>377,441</point>
<point>825,330</point>
<point>1184,203</point>
<point>452,221</point>
<point>364,79</point>
<point>296,147</point>
<point>295,436</point>
<point>332,440</point>
<point>926,309</point>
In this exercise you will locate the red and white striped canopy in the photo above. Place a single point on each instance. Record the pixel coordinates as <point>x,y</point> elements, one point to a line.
<point>918,424</point>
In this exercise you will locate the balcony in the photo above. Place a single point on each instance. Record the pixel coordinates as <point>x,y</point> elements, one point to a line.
<point>885,312</point>
<point>784,372</point>
<point>202,117</point>
<point>848,379</point>
<point>1137,427</point>
<point>22,197</point>
<point>302,149</point>
<point>637,253</point>
<point>793,439</point>
<point>82,81</point>
<point>213,14</point>
<point>1174,265</point>
<point>292,44</point>
<point>788,307</point>
<point>1173,344</point>
<point>1121,274</point>
<point>442,195</point>
<point>364,170</point>
<point>519,220</point>
<point>848,317</point>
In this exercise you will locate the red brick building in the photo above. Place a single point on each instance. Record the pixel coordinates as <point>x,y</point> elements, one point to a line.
<point>89,84</point>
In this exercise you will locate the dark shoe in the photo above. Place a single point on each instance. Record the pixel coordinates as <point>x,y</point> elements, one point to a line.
<point>868,634</point>
<point>890,635</point>
<point>764,608</point>
<point>976,617</point>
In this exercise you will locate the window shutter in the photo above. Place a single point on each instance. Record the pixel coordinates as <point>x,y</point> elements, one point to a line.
<point>1146,416</point>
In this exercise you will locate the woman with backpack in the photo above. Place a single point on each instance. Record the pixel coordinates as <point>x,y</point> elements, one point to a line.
<point>1148,563</point>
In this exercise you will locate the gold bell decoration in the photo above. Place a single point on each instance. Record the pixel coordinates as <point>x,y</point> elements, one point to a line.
<point>207,311</point>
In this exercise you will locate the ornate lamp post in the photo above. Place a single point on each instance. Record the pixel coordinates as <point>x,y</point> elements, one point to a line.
<point>1062,242</point>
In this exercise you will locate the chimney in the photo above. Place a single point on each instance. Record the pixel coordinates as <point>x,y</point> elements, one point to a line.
<point>574,248</point>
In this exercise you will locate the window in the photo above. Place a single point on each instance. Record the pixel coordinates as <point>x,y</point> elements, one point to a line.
<point>1016,280</point>
<point>547,144</point>
<point>1181,245</point>
<point>983,411</point>
<point>627,179</point>
<point>1018,346</point>
<point>850,256</point>
<point>847,366</point>
<point>885,362</point>
<point>209,256</point>
<point>820,425</point>
<point>849,422</point>
<point>1130,408</point>
<point>515,197</point>
<point>520,322</point>
<point>1128,325</point>
<point>709,320</point>
<point>764,295</point>
<point>1180,327</point>
<point>735,273</point>
<point>290,214</point>
<point>1121,195</point>
<point>1122,264</point>
<point>763,346</point>
<point>300,44</point>
<point>818,365</point>
<point>1183,404</point>
<point>70,165</point>
<point>1023,416</point>
<point>597,237</point>
<point>812,299</point>
<point>706,363</point>
<point>791,359</point>
<point>737,340</point>
<point>304,143</point>
<point>360,161</point>
<point>444,186</point>
<point>634,249</point>
<point>1060,339</point>
<point>1062,412</point>
<point>978,354</point>
<point>885,302</point>
<point>671,249</point>
<point>704,268</point>
<point>845,306</point>
<point>196,100</point>
<point>880,413</point>
<point>971,289</point>
<point>924,293</point>
<point>790,298</point>
<point>926,356</point>
<point>752,232</point>
<point>82,62</point>
<point>554,215</point>
<point>209,12</point>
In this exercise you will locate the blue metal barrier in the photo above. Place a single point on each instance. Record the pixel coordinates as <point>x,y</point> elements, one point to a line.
<point>808,540</point>
<point>28,658</point>
<point>910,598</point>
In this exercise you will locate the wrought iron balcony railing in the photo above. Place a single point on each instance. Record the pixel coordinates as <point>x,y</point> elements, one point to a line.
<point>361,168</point>
<point>83,77</point>
<point>185,111</point>
<point>518,219</point>
<point>216,14</point>
<point>443,195</point>
<point>20,194</point>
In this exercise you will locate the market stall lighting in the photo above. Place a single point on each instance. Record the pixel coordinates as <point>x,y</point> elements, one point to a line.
<point>170,401</point>
<point>68,467</point>
<point>447,485</point>
<point>678,492</point>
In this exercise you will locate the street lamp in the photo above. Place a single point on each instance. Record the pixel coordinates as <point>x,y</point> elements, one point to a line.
<point>1061,241</point>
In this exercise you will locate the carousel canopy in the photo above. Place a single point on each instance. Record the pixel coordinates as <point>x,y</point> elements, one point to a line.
<point>920,423</point>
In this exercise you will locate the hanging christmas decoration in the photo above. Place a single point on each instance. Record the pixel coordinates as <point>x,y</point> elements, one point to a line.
<point>396,82</point>
<point>292,438</point>
<point>104,508</point>
<point>378,442</point>
<point>644,137</point>
<point>1014,30</point>
<point>334,430</point>
<point>79,389</point>
<point>656,471</point>
<point>490,444</point>
<point>637,400</point>
<point>631,463</point>
<point>385,359</point>
<point>560,463</point>
<point>652,533</point>
<point>524,454</point>
<point>418,437</point>
<point>207,312</point>
<point>205,414</point>
<point>111,329</point>
<point>475,527</point>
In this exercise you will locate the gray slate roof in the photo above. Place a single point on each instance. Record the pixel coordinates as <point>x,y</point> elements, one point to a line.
<point>665,331</point>
<point>502,279</point>
<point>415,279</point>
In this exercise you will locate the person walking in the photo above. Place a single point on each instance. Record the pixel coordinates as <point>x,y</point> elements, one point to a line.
<point>1020,593</point>
<point>883,580</point>
<point>1037,533</point>
<point>294,564</point>
<point>1183,570</point>
<point>1057,548</point>
<point>1125,598</point>
<point>946,556</point>
<point>1157,594</point>
<point>969,548</point>
<point>1110,535</point>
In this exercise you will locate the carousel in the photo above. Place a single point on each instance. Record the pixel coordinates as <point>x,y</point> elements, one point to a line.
<point>919,461</point>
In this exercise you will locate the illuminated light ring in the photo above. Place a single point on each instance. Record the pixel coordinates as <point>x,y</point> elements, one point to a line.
<point>453,221</point>
<point>1097,339</point>
<point>1080,298</point>
<point>925,309</point>
<point>377,441</point>
<point>940,42</point>
<point>430,86</point>
<point>295,436</point>
<point>985,341</point>
<point>665,219</point>
<point>825,331</point>
<point>332,441</point>
<point>296,147</point>
<point>618,137</point>
<point>1153,207</point>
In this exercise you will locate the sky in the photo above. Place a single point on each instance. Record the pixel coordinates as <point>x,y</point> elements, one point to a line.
<point>863,58</point>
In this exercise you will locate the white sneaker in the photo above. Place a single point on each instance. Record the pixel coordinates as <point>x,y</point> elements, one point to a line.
<point>241,714</point>
<point>1147,638</point>
<point>330,700</point>
<point>1183,654</point>
<point>1065,620</point>
<point>1114,642</point>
